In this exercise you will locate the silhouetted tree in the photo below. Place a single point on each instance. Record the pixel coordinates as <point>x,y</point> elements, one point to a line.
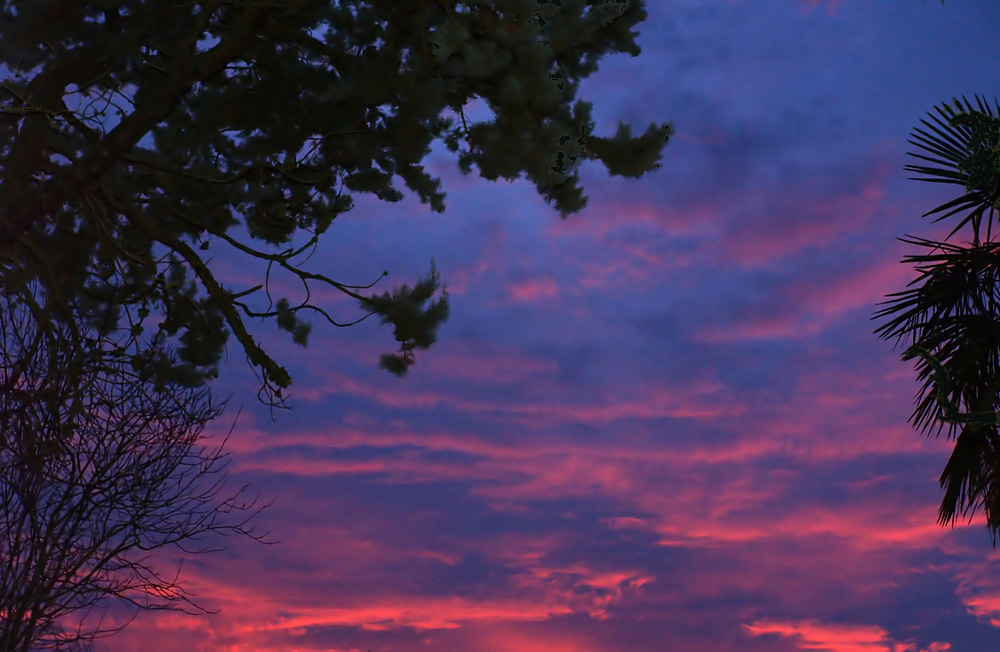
<point>952,316</point>
<point>97,469</point>
<point>138,134</point>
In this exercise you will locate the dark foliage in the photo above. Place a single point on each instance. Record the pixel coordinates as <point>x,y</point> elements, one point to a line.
<point>138,135</point>
<point>951,315</point>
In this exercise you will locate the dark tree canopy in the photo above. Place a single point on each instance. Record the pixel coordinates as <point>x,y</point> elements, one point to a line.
<point>139,136</point>
<point>952,316</point>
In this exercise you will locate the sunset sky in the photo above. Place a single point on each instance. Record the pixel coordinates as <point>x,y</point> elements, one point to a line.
<point>663,423</point>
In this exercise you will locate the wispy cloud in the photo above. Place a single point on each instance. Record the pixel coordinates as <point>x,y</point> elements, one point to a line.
<point>811,635</point>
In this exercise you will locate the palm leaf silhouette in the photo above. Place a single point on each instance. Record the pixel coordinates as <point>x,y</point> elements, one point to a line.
<point>951,312</point>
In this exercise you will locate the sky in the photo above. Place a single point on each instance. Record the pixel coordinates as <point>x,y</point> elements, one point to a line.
<point>662,423</point>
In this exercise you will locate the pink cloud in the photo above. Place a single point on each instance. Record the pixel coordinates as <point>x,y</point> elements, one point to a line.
<point>487,363</point>
<point>629,467</point>
<point>687,508</point>
<point>681,500</point>
<point>277,618</point>
<point>790,223</point>
<point>979,586</point>
<point>608,217</point>
<point>808,307</point>
<point>512,639</point>
<point>547,403</point>
<point>812,635</point>
<point>532,290</point>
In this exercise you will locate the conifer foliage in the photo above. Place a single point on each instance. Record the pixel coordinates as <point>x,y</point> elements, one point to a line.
<point>161,131</point>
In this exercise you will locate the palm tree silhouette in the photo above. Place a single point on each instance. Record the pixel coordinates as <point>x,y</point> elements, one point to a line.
<point>951,311</point>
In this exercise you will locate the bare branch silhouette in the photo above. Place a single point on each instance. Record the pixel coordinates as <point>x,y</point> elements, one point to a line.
<point>98,468</point>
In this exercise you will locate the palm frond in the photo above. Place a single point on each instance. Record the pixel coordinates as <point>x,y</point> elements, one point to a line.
<point>956,140</point>
<point>951,311</point>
